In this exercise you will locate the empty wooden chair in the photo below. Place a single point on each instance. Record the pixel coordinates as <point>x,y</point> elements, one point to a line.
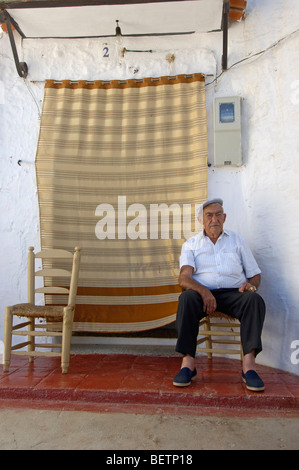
<point>53,320</point>
<point>215,333</point>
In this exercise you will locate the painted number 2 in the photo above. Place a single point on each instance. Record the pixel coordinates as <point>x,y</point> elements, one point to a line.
<point>105,51</point>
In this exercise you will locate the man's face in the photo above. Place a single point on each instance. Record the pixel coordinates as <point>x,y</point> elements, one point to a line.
<point>213,220</point>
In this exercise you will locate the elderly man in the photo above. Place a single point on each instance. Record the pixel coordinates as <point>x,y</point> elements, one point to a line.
<point>218,271</point>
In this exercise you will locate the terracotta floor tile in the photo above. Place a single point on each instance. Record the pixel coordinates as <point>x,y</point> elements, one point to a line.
<point>100,382</point>
<point>57,380</point>
<point>113,368</point>
<point>146,382</point>
<point>15,381</point>
<point>41,363</point>
<point>84,366</point>
<point>119,358</point>
<point>221,376</point>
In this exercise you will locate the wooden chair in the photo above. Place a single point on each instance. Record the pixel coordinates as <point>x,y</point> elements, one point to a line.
<point>58,319</point>
<point>213,332</point>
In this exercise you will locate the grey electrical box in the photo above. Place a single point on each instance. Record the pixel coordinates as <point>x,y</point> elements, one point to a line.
<point>227,131</point>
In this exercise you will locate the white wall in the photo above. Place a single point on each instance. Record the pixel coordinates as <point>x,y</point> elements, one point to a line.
<point>261,197</point>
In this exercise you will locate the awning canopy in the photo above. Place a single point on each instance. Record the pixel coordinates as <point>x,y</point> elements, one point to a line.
<point>79,18</point>
<point>103,18</point>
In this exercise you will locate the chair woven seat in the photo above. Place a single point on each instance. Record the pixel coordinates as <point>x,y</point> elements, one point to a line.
<point>218,314</point>
<point>54,312</point>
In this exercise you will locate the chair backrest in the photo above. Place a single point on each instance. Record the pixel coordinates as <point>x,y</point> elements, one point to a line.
<point>49,258</point>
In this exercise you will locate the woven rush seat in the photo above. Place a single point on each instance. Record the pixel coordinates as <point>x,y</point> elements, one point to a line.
<point>53,312</point>
<point>218,314</point>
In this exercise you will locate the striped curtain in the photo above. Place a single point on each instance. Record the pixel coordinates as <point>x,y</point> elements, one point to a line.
<point>120,168</point>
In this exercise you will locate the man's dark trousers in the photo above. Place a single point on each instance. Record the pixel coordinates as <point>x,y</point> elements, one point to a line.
<point>247,307</point>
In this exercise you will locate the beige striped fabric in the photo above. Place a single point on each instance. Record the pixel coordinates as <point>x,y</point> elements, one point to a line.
<point>120,168</point>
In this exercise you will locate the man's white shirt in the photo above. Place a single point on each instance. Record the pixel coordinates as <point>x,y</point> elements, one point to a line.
<point>226,264</point>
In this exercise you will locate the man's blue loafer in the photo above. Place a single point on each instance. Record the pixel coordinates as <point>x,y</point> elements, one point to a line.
<point>253,381</point>
<point>184,377</point>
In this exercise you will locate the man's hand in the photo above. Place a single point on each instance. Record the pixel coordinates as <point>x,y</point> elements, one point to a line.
<point>247,287</point>
<point>209,301</point>
<point>251,284</point>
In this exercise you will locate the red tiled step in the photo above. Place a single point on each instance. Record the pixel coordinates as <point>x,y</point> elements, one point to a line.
<point>124,379</point>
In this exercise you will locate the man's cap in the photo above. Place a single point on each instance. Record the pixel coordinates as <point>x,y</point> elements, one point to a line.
<point>207,203</point>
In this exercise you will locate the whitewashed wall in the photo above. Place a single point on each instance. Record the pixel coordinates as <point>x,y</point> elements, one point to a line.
<point>261,197</point>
